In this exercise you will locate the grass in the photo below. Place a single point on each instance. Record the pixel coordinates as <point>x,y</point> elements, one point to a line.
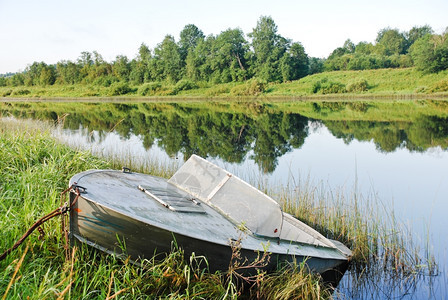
<point>35,169</point>
<point>375,83</point>
<point>380,82</point>
<point>362,223</point>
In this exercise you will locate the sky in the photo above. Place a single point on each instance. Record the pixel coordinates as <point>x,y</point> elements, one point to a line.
<point>55,30</point>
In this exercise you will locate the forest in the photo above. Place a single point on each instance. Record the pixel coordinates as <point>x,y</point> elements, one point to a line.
<point>230,56</point>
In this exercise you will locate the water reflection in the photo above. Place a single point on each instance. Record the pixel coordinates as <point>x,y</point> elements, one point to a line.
<point>262,132</point>
<point>394,151</point>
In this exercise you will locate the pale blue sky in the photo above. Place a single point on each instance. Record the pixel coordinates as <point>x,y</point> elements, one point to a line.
<point>50,30</point>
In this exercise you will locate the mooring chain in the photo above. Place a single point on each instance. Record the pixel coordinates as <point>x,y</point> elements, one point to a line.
<point>60,211</point>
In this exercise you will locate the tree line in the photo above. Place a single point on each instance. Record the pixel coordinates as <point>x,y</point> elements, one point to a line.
<point>419,47</point>
<point>231,57</point>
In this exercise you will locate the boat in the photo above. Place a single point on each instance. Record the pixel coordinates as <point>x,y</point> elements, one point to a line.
<point>204,209</point>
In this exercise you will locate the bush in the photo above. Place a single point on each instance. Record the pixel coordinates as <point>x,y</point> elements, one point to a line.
<point>20,92</point>
<point>328,87</point>
<point>7,93</point>
<point>149,88</point>
<point>421,89</point>
<point>359,106</point>
<point>106,81</point>
<point>253,87</point>
<point>358,86</point>
<point>217,90</point>
<point>184,85</point>
<point>119,88</point>
<point>440,86</point>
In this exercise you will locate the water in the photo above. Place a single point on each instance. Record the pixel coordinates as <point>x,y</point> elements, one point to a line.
<point>403,162</point>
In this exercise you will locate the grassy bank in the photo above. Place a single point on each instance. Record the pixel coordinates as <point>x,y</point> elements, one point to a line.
<point>381,83</point>
<point>34,169</point>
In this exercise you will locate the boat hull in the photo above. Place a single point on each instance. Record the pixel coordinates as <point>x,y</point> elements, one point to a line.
<point>113,232</point>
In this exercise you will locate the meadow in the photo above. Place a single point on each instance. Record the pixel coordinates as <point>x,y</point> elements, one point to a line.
<point>380,83</point>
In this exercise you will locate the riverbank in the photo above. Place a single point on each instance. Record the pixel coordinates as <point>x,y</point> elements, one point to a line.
<point>368,84</point>
<point>35,169</point>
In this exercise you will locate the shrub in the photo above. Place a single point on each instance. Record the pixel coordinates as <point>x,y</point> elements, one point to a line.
<point>440,86</point>
<point>328,87</point>
<point>184,85</point>
<point>357,86</point>
<point>119,88</point>
<point>20,92</point>
<point>7,93</point>
<point>167,91</point>
<point>149,88</point>
<point>253,87</point>
<point>421,89</point>
<point>315,88</point>
<point>359,106</point>
<point>106,81</point>
<point>217,90</point>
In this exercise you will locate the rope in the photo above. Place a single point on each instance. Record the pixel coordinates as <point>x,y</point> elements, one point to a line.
<point>62,210</point>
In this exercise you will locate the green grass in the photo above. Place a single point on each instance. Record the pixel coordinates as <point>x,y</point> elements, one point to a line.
<point>35,169</point>
<point>379,243</point>
<point>379,83</point>
<point>382,82</point>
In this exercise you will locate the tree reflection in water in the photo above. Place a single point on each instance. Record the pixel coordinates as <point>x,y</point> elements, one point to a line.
<point>265,131</point>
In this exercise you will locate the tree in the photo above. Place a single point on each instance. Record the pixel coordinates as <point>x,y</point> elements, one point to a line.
<point>349,46</point>
<point>316,65</point>
<point>269,48</point>
<point>198,61</point>
<point>228,61</point>
<point>168,62</point>
<point>100,66</point>
<point>417,32</point>
<point>121,68</point>
<point>85,59</point>
<point>17,79</point>
<point>47,75</point>
<point>85,63</point>
<point>365,48</point>
<point>39,74</point>
<point>32,73</point>
<point>68,72</point>
<point>430,53</point>
<point>294,63</point>
<point>189,38</point>
<point>391,41</point>
<point>140,66</point>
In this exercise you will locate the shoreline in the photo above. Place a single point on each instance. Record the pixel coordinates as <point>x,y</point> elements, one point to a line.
<point>328,97</point>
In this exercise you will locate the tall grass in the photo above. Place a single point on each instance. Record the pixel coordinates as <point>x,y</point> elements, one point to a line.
<point>34,170</point>
<point>385,254</point>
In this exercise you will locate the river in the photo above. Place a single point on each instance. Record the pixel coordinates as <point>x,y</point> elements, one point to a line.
<point>393,152</point>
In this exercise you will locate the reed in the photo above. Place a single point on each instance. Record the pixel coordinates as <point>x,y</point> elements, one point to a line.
<point>384,250</point>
